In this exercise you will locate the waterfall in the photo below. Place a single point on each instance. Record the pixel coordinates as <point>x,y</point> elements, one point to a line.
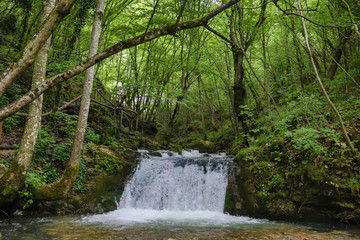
<point>186,182</point>
<point>186,188</point>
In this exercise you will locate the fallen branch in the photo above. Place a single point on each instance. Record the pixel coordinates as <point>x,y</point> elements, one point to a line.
<point>8,147</point>
<point>48,113</point>
<point>126,110</point>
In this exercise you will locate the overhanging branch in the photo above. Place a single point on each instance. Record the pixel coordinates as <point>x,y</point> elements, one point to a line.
<point>28,97</point>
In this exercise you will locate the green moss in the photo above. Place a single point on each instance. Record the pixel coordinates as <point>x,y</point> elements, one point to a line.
<point>230,202</point>
<point>11,183</point>
<point>59,189</point>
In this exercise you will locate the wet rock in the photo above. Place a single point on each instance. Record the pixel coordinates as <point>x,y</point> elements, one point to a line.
<point>154,154</point>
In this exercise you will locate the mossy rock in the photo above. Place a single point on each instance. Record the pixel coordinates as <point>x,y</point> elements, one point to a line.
<point>206,147</point>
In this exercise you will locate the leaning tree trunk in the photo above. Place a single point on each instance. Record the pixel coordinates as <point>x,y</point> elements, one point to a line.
<point>333,107</point>
<point>60,188</point>
<point>15,177</point>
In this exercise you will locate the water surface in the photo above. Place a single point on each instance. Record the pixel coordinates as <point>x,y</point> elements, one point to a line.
<point>166,225</point>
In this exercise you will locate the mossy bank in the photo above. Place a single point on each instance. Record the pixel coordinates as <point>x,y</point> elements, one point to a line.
<point>293,188</point>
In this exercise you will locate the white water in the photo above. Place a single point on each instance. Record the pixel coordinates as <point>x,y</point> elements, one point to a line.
<point>177,188</point>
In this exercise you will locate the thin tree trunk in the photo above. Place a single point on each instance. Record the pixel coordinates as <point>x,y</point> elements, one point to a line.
<point>61,187</point>
<point>266,69</point>
<point>262,85</point>
<point>337,57</point>
<point>16,175</point>
<point>1,126</point>
<point>333,107</point>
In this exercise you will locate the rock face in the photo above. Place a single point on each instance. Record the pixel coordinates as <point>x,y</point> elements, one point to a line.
<point>315,201</point>
<point>206,147</point>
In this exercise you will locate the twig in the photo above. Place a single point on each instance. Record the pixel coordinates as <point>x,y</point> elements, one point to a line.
<point>302,16</point>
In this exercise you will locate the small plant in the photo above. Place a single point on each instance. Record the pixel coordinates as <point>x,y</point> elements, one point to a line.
<point>91,136</point>
<point>80,182</point>
<point>26,194</point>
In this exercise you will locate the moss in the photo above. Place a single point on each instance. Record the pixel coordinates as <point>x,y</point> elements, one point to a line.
<point>11,182</point>
<point>230,202</point>
<point>59,189</point>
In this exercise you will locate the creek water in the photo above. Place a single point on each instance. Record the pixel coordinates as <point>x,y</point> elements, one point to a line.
<point>172,196</point>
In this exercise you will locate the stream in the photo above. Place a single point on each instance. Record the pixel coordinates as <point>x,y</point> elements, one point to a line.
<point>172,196</point>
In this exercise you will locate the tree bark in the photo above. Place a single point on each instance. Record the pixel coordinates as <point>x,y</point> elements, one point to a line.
<point>14,178</point>
<point>60,188</point>
<point>28,97</point>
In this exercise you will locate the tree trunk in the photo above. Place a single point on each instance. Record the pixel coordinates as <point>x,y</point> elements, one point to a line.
<point>333,107</point>
<point>60,188</point>
<point>240,90</point>
<point>266,69</point>
<point>337,57</point>
<point>15,177</point>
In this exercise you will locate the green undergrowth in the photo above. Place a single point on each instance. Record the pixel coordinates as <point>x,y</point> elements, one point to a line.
<point>102,153</point>
<point>304,147</point>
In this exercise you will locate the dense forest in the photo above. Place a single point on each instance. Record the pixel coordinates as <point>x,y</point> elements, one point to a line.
<point>274,82</point>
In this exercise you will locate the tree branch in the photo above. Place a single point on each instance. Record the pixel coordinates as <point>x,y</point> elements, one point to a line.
<point>48,113</point>
<point>257,25</point>
<point>61,9</point>
<point>146,37</point>
<point>307,19</point>
<point>152,15</point>
<point>219,34</point>
<point>356,27</point>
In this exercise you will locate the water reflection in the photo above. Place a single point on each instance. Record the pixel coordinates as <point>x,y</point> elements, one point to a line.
<point>77,227</point>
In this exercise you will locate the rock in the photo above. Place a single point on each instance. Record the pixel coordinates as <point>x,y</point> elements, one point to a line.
<point>206,147</point>
<point>154,154</point>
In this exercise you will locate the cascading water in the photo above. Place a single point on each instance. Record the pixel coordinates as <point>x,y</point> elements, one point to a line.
<point>178,183</point>
<point>176,196</point>
<point>187,187</point>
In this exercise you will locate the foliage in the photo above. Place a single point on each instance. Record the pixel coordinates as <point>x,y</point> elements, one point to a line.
<point>80,182</point>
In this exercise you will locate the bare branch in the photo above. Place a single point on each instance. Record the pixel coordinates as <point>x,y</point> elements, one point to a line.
<point>48,113</point>
<point>307,19</point>
<point>219,34</point>
<point>152,15</point>
<point>356,27</point>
